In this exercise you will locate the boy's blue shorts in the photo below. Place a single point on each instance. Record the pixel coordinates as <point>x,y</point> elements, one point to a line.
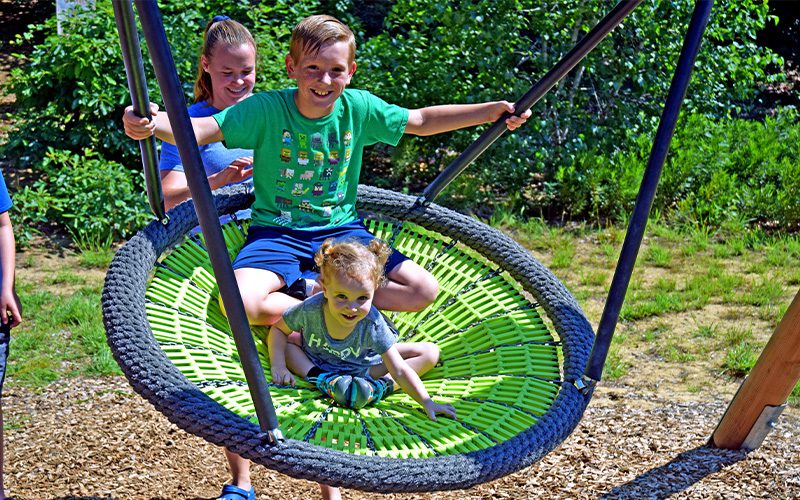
<point>289,253</point>
<point>5,336</point>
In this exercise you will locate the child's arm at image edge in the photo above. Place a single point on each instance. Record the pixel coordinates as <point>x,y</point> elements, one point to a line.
<point>409,381</point>
<point>276,344</point>
<point>10,308</point>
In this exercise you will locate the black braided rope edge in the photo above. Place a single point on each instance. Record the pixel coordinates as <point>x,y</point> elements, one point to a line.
<point>155,378</point>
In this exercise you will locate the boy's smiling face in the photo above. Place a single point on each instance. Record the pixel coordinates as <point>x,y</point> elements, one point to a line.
<point>321,77</point>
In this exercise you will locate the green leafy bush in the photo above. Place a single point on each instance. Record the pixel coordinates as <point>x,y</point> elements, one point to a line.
<point>717,172</point>
<point>566,160</point>
<point>95,200</point>
<point>72,89</point>
<point>69,99</point>
<point>475,50</point>
<point>736,169</point>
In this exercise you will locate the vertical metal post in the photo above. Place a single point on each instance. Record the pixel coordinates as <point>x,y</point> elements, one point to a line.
<point>137,84</point>
<point>647,191</point>
<point>183,132</point>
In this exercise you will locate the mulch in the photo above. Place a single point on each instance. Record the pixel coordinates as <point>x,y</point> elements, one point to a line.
<point>95,438</point>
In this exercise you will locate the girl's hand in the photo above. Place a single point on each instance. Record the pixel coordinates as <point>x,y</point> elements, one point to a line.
<point>239,170</point>
<point>513,122</point>
<point>433,409</point>
<point>282,376</point>
<point>137,127</point>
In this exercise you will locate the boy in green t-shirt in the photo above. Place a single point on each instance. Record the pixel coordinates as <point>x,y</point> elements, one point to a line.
<point>308,143</point>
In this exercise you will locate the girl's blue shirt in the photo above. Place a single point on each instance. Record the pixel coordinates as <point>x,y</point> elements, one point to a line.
<point>215,156</point>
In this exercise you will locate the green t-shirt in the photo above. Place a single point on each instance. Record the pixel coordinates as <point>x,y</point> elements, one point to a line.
<point>305,171</point>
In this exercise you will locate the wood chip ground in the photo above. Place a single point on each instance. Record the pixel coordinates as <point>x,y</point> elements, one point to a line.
<point>95,438</point>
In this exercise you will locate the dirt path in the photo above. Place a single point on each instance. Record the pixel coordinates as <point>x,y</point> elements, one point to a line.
<point>94,438</point>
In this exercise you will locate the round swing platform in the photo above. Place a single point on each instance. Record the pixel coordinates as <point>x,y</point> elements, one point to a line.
<point>512,338</point>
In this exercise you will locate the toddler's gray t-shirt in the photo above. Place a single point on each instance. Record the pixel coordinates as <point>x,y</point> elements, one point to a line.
<point>353,355</point>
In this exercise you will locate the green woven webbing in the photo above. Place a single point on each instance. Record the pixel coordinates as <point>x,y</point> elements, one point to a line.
<point>499,358</point>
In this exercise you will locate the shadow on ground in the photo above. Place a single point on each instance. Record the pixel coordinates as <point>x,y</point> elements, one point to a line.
<point>678,475</point>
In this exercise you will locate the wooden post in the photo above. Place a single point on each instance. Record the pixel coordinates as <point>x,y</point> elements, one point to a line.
<point>768,385</point>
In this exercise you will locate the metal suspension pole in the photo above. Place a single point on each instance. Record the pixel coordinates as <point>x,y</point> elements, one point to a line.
<point>137,84</point>
<point>536,92</point>
<point>647,192</point>
<point>175,103</point>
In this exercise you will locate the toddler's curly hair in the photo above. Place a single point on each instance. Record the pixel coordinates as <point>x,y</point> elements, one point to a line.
<point>353,259</point>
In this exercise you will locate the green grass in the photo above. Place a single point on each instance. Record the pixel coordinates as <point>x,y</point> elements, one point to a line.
<point>62,332</point>
<point>675,352</point>
<point>761,293</point>
<point>563,256</point>
<point>735,336</point>
<point>594,278</point>
<point>706,331</point>
<point>740,359</point>
<point>749,278</point>
<point>616,366</point>
<point>97,258</point>
<point>658,256</point>
<point>67,277</point>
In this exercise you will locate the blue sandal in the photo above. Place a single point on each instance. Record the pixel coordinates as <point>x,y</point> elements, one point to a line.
<point>232,492</point>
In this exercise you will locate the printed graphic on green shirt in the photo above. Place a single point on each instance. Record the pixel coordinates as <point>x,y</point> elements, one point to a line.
<point>308,193</point>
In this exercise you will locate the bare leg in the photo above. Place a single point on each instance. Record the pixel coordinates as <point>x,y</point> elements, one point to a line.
<point>296,360</point>
<point>329,492</point>
<point>299,364</point>
<point>264,306</point>
<point>262,302</point>
<point>240,470</point>
<point>420,356</point>
<point>409,287</point>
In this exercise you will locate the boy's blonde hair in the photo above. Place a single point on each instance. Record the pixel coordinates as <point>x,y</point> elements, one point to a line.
<point>353,259</point>
<point>313,32</point>
<point>220,30</point>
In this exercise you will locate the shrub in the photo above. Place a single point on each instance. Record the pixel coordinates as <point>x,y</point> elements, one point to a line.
<point>476,50</point>
<point>96,201</point>
<point>71,91</point>
<point>718,173</point>
<point>70,95</point>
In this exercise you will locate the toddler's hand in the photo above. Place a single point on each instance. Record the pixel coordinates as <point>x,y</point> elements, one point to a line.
<point>282,376</point>
<point>433,409</point>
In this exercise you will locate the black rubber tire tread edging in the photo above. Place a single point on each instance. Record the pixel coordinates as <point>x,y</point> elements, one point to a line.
<point>154,377</point>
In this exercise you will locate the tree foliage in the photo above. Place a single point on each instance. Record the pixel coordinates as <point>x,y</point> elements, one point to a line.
<point>71,91</point>
<point>470,51</point>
